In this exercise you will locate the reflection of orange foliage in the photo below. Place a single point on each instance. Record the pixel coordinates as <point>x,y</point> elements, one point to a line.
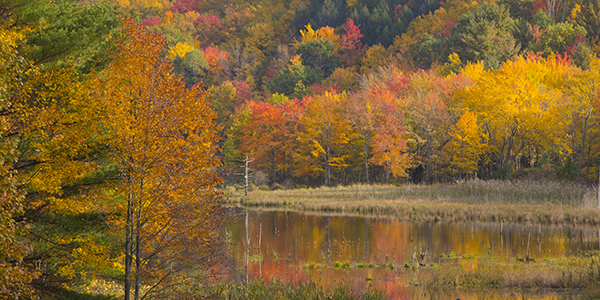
<point>299,240</point>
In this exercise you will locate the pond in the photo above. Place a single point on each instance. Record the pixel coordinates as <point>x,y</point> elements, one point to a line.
<point>367,251</point>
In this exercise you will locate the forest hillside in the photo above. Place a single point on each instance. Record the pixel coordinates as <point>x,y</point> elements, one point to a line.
<point>121,119</point>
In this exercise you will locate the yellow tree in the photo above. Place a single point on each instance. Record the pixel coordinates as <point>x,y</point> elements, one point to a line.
<point>323,33</point>
<point>14,275</point>
<point>361,112</point>
<point>429,117</point>
<point>466,146</point>
<point>323,134</point>
<point>374,58</point>
<point>179,50</point>
<point>163,138</point>
<point>583,91</point>
<point>46,145</point>
<point>518,106</point>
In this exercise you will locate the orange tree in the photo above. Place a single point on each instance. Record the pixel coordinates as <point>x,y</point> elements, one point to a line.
<point>163,139</point>
<point>390,148</point>
<point>268,133</point>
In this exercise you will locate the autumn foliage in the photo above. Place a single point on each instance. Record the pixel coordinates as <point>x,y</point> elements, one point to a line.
<point>116,128</point>
<point>162,138</point>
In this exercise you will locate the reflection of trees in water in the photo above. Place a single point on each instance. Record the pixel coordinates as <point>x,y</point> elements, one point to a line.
<point>300,239</point>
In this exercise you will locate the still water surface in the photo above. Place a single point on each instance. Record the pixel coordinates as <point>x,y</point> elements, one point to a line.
<point>298,247</point>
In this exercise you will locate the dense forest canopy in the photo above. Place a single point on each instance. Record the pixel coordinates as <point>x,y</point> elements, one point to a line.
<point>316,90</point>
<point>104,102</point>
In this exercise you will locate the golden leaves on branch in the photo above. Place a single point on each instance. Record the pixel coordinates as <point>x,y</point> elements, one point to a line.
<point>163,138</point>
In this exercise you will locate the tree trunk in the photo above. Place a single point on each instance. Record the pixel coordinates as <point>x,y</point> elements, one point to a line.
<point>138,252</point>
<point>387,173</point>
<point>246,176</point>
<point>583,138</point>
<point>285,174</point>
<point>274,170</point>
<point>366,149</point>
<point>428,166</point>
<point>580,156</point>
<point>589,154</point>
<point>128,248</point>
<point>327,157</point>
<point>562,19</point>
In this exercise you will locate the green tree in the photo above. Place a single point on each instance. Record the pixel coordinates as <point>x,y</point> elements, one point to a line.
<point>376,23</point>
<point>484,35</point>
<point>47,111</point>
<point>293,80</point>
<point>319,55</point>
<point>557,38</point>
<point>221,99</point>
<point>425,51</point>
<point>587,15</point>
<point>332,13</point>
<point>192,66</point>
<point>68,29</point>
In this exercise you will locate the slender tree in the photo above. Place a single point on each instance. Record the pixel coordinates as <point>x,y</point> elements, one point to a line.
<point>163,139</point>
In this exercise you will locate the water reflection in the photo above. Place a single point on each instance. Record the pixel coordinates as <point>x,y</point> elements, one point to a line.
<point>297,247</point>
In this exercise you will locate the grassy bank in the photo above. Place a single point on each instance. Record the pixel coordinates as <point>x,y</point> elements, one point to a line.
<point>522,201</point>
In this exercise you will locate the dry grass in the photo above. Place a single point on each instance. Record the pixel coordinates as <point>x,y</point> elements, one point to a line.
<point>524,201</point>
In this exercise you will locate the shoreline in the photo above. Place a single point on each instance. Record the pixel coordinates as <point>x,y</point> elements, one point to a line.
<point>388,201</point>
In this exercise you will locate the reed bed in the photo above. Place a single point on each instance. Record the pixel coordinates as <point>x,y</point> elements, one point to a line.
<point>278,290</point>
<point>522,191</point>
<point>473,200</point>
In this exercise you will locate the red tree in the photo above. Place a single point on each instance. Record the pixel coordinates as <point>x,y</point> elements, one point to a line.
<point>269,134</point>
<point>351,48</point>
<point>183,6</point>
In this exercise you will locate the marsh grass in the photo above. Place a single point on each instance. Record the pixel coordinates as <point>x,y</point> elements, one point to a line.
<point>312,266</point>
<point>573,273</point>
<point>337,264</point>
<point>557,273</point>
<point>256,258</point>
<point>549,202</point>
<point>279,290</point>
